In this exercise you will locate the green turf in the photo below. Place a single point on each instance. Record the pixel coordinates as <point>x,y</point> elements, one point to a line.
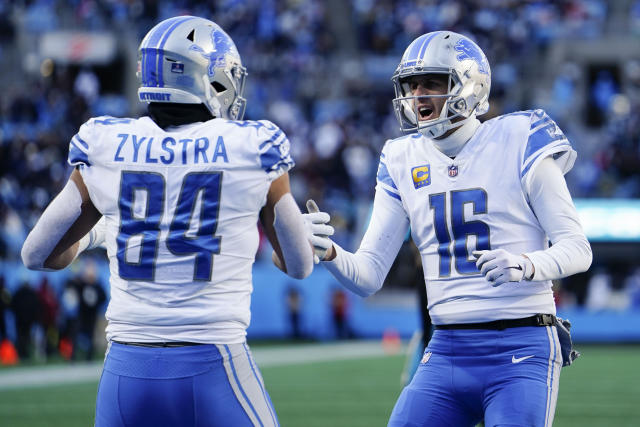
<point>601,389</point>
<point>349,393</point>
<point>58,406</point>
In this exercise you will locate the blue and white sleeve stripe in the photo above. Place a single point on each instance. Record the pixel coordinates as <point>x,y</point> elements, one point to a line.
<point>546,139</point>
<point>385,181</point>
<point>78,152</point>
<point>274,152</point>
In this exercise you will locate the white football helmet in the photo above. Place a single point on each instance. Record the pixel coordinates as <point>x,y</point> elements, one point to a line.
<point>443,52</point>
<point>191,60</point>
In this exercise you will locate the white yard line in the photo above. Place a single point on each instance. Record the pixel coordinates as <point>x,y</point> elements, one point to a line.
<point>311,353</point>
<point>39,376</point>
<point>18,378</point>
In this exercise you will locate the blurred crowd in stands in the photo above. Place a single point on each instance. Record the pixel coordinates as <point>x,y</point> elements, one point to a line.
<point>321,71</point>
<point>50,320</point>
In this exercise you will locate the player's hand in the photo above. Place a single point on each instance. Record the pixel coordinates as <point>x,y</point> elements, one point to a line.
<point>319,230</point>
<point>499,266</point>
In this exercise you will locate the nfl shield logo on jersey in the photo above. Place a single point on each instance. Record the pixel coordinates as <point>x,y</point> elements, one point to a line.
<point>453,171</point>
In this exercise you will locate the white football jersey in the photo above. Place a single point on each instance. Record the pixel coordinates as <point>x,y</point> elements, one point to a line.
<point>181,208</point>
<point>476,201</point>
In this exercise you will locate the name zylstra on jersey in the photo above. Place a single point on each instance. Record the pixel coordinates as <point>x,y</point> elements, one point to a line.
<point>169,150</point>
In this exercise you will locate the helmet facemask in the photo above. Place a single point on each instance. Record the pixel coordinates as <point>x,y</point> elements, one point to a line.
<point>238,75</point>
<point>406,106</point>
<point>223,94</point>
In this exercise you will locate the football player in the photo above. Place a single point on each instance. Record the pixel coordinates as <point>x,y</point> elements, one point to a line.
<point>179,192</point>
<point>483,201</point>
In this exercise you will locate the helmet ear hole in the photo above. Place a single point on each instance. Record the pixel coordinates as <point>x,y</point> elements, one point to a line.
<point>219,87</point>
<point>191,35</point>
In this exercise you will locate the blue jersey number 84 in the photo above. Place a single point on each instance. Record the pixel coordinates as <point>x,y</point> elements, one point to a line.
<point>181,239</point>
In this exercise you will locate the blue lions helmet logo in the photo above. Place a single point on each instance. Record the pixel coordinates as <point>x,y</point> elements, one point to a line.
<point>470,51</point>
<point>221,46</point>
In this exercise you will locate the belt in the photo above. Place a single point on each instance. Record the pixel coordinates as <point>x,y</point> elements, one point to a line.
<point>160,344</point>
<point>536,320</point>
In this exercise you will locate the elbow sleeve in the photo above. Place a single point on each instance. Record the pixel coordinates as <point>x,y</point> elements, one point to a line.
<point>553,206</point>
<point>52,225</point>
<point>566,257</point>
<point>357,272</point>
<point>363,272</point>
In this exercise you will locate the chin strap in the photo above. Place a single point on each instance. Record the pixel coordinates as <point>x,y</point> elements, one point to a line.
<point>452,144</point>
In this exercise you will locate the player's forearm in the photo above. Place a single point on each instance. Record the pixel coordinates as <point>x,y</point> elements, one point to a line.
<point>292,239</point>
<point>364,272</point>
<point>48,232</point>
<point>566,257</point>
<point>552,204</point>
<point>70,247</point>
<point>58,261</point>
<point>64,230</point>
<point>359,272</point>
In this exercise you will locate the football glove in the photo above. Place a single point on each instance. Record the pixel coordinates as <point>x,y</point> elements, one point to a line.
<point>319,230</point>
<point>569,354</point>
<point>499,266</point>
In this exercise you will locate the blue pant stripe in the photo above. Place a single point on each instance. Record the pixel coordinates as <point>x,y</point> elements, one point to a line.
<point>552,364</point>
<point>258,379</point>
<point>235,375</point>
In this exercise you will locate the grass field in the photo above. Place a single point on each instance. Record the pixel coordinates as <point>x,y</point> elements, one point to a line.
<point>601,389</point>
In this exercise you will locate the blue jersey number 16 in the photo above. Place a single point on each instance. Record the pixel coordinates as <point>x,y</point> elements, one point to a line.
<point>460,228</point>
<point>183,237</point>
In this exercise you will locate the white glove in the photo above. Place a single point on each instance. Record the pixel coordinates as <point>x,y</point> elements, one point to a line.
<point>319,230</point>
<point>499,266</point>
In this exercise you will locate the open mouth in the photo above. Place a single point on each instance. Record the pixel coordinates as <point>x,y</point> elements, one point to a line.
<point>425,112</point>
